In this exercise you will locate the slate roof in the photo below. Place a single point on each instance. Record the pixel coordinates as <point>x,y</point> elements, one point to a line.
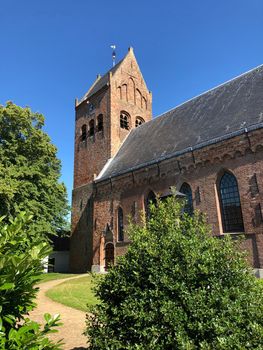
<point>100,82</point>
<point>218,114</point>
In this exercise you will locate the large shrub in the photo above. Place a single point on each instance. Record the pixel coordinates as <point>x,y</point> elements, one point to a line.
<point>177,288</point>
<point>21,263</point>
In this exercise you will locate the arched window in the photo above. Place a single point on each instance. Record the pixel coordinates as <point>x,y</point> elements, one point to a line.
<point>139,121</point>
<point>120,225</point>
<point>91,128</point>
<point>83,132</point>
<point>124,121</point>
<point>186,189</point>
<point>100,122</point>
<point>151,199</point>
<point>231,213</point>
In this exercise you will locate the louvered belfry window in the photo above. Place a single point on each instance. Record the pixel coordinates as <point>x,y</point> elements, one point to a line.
<point>83,132</point>
<point>91,128</point>
<point>124,121</point>
<point>231,212</point>
<point>139,121</point>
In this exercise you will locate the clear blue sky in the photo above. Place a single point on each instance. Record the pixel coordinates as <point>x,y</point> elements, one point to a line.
<point>52,50</point>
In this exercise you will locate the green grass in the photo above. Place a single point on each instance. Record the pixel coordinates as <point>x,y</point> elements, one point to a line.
<point>75,293</point>
<point>45,277</point>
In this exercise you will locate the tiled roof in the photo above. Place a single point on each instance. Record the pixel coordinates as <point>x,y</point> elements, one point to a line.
<point>216,114</point>
<point>100,82</point>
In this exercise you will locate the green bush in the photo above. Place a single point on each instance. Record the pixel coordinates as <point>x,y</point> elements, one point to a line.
<point>20,266</point>
<point>177,288</point>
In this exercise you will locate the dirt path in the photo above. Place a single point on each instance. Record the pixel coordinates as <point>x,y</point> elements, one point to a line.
<point>73,320</point>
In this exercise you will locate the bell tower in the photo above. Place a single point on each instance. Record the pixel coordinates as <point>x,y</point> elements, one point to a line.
<point>116,103</point>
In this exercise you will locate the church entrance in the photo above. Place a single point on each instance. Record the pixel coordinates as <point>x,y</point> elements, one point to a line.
<point>109,256</point>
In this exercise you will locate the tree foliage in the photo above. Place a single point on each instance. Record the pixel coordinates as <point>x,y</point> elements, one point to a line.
<point>30,170</point>
<point>177,288</point>
<point>21,263</point>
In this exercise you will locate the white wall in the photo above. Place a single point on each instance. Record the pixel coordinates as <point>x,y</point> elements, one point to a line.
<point>61,261</point>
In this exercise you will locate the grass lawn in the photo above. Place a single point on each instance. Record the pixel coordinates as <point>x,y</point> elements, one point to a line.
<point>45,277</point>
<point>76,293</point>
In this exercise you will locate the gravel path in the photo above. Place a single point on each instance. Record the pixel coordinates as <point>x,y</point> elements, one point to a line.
<point>73,320</point>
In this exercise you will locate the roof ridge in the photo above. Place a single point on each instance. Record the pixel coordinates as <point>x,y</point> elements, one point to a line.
<point>99,78</point>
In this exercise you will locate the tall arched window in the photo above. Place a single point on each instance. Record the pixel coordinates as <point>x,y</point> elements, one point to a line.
<point>231,212</point>
<point>151,199</point>
<point>100,122</point>
<point>83,132</point>
<point>186,189</point>
<point>124,121</point>
<point>120,225</point>
<point>91,128</point>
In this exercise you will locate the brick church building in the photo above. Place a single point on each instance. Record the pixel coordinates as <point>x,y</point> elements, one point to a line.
<point>210,148</point>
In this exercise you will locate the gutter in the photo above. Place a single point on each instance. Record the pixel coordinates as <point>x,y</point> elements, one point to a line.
<point>186,150</point>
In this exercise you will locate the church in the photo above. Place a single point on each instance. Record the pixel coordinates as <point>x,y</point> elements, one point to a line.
<point>210,148</point>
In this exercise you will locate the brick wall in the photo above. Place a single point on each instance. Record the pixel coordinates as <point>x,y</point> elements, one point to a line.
<point>81,240</point>
<point>92,153</point>
<point>126,91</point>
<point>129,93</point>
<point>242,155</point>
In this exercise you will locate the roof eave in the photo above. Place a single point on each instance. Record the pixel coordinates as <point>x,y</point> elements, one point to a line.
<point>184,151</point>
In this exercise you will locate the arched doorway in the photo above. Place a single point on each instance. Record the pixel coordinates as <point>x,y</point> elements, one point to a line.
<point>109,255</point>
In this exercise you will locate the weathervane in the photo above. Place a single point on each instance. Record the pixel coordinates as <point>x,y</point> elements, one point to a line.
<point>113,54</point>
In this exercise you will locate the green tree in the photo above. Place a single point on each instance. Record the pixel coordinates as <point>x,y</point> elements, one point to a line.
<point>21,263</point>
<point>177,288</point>
<point>30,170</point>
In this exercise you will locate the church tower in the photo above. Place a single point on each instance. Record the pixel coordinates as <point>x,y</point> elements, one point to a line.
<point>116,103</point>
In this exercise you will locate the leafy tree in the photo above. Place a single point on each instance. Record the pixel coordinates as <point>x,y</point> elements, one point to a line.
<point>21,263</point>
<point>30,170</point>
<point>177,288</point>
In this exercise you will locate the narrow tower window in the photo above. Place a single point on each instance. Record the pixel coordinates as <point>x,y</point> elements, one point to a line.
<point>100,122</point>
<point>231,213</point>
<point>124,121</point>
<point>91,128</point>
<point>120,225</point>
<point>139,121</point>
<point>83,132</point>
<point>186,189</point>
